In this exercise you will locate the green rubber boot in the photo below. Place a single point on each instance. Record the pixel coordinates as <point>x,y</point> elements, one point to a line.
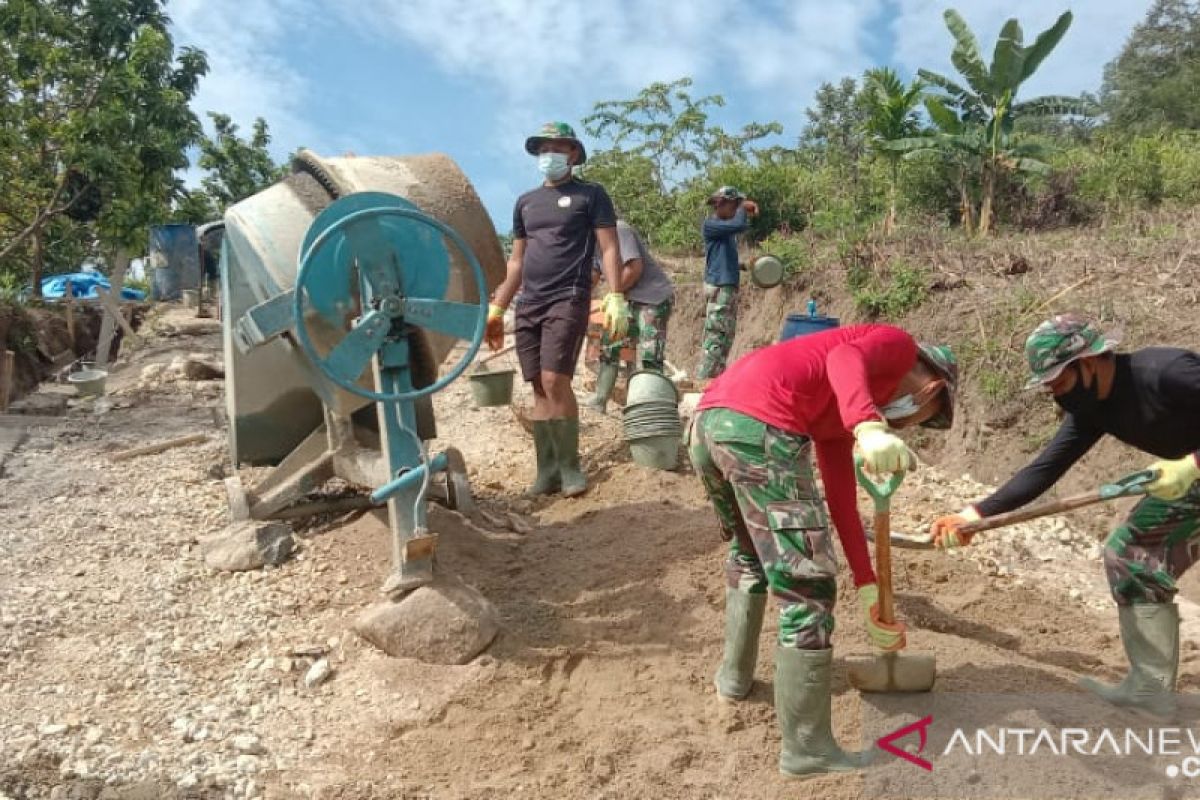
<point>803,704</point>
<point>606,379</point>
<point>566,445</point>
<point>1150,634</point>
<point>743,623</point>
<point>548,479</point>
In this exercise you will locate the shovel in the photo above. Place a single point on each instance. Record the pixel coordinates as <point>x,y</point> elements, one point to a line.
<point>1131,485</point>
<point>889,672</point>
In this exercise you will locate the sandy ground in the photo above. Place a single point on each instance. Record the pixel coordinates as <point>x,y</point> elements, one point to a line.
<point>129,670</point>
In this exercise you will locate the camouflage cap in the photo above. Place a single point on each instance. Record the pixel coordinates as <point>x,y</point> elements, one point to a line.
<point>725,193</point>
<point>1060,340</point>
<point>555,131</point>
<point>940,358</point>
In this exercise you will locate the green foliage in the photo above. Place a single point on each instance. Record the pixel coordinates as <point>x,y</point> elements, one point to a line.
<point>1155,81</point>
<point>95,123</point>
<point>237,168</point>
<point>794,251</point>
<point>890,293</point>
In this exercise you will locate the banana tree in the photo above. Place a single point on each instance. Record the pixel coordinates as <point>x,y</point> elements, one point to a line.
<point>965,143</point>
<point>891,116</point>
<point>988,101</point>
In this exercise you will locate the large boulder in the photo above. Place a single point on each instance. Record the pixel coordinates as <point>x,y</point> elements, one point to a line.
<point>446,622</point>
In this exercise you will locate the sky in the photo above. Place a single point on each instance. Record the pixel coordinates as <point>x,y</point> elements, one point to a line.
<point>473,78</point>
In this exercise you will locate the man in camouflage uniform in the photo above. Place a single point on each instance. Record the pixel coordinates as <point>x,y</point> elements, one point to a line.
<point>1149,399</point>
<point>752,442</point>
<point>730,212</point>
<point>651,296</point>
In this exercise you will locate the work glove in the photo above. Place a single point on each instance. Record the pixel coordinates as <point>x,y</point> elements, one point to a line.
<point>616,315</point>
<point>888,637</point>
<point>1174,477</point>
<point>945,530</point>
<point>493,332</point>
<point>882,452</point>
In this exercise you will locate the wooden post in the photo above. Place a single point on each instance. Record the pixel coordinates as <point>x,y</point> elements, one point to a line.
<point>7,373</point>
<point>69,299</point>
<point>108,323</point>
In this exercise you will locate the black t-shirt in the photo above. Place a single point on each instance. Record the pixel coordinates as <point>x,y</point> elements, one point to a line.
<point>1154,406</point>
<point>558,224</point>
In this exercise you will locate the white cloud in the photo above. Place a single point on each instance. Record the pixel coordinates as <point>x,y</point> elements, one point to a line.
<point>1095,37</point>
<point>248,76</point>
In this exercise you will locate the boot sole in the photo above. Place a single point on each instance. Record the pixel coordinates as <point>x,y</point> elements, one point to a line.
<point>1093,688</point>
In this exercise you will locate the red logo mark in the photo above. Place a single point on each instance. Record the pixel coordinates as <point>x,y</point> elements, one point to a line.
<point>885,742</point>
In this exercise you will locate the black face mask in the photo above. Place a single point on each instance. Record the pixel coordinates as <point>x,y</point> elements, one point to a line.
<point>1080,397</point>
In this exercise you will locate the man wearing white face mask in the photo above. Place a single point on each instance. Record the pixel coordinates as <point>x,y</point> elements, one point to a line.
<point>557,230</point>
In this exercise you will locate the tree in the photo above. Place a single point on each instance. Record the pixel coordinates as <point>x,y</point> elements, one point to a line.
<point>666,126</point>
<point>989,99</point>
<point>891,117</point>
<point>95,118</point>
<point>836,121</point>
<point>1155,81</point>
<point>237,168</point>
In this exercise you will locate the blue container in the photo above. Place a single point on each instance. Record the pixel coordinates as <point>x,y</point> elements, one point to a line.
<point>174,252</point>
<point>804,324</point>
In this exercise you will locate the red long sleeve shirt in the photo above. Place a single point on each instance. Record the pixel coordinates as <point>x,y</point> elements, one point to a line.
<point>822,386</point>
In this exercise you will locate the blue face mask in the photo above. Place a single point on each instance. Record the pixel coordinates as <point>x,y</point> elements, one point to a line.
<point>553,165</point>
<point>901,407</point>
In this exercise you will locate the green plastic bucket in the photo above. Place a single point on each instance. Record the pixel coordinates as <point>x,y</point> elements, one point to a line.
<point>492,388</point>
<point>657,452</point>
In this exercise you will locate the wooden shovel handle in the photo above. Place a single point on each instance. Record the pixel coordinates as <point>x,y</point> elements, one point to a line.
<point>883,565</point>
<point>497,354</point>
<point>1033,512</point>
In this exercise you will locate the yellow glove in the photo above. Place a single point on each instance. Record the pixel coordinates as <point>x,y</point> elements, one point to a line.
<point>945,530</point>
<point>883,453</point>
<point>886,636</point>
<point>616,315</point>
<point>493,331</point>
<point>1174,477</point>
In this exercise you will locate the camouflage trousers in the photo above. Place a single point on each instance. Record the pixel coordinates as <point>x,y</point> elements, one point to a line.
<point>648,330</point>
<point>1152,548</point>
<point>760,482</point>
<point>720,324</point>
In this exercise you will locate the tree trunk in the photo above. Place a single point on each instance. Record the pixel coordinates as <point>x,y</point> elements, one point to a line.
<point>37,260</point>
<point>985,206</point>
<point>108,323</point>
<point>889,221</point>
<point>966,206</point>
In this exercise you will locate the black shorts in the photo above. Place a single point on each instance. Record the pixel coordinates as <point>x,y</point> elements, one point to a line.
<point>550,335</point>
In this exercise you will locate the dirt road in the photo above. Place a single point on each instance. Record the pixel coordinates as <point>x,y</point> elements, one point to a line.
<point>129,670</point>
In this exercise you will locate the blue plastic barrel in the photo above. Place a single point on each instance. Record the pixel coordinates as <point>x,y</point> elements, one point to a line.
<point>804,324</point>
<point>174,251</point>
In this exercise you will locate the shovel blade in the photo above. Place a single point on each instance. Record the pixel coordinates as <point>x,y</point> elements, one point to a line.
<point>893,672</point>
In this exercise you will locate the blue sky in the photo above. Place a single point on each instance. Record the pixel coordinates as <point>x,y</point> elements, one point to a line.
<point>471,78</point>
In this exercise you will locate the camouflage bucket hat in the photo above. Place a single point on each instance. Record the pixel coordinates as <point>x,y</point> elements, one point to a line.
<point>1060,340</point>
<point>725,193</point>
<point>940,358</point>
<point>555,132</point>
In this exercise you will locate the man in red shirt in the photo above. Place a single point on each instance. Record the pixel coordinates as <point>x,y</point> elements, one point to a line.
<point>752,442</point>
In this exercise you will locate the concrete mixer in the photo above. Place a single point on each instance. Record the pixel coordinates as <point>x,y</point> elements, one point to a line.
<point>344,288</point>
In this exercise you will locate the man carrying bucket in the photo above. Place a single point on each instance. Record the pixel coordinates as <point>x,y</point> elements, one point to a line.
<point>651,297</point>
<point>557,230</point>
<point>1149,399</point>
<point>730,210</point>
<point>752,443</point>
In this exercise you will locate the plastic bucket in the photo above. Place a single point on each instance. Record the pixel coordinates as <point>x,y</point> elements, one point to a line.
<point>657,452</point>
<point>88,381</point>
<point>647,386</point>
<point>492,388</point>
<point>804,324</point>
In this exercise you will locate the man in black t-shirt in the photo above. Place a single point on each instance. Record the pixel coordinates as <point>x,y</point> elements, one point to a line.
<point>1149,399</point>
<point>557,230</point>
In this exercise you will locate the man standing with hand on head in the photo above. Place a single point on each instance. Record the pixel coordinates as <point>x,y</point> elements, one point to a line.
<point>557,229</point>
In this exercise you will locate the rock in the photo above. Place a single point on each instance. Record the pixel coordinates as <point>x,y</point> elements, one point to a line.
<point>446,622</point>
<point>248,545</point>
<point>53,729</point>
<point>318,673</point>
<point>201,367</point>
<point>248,743</point>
